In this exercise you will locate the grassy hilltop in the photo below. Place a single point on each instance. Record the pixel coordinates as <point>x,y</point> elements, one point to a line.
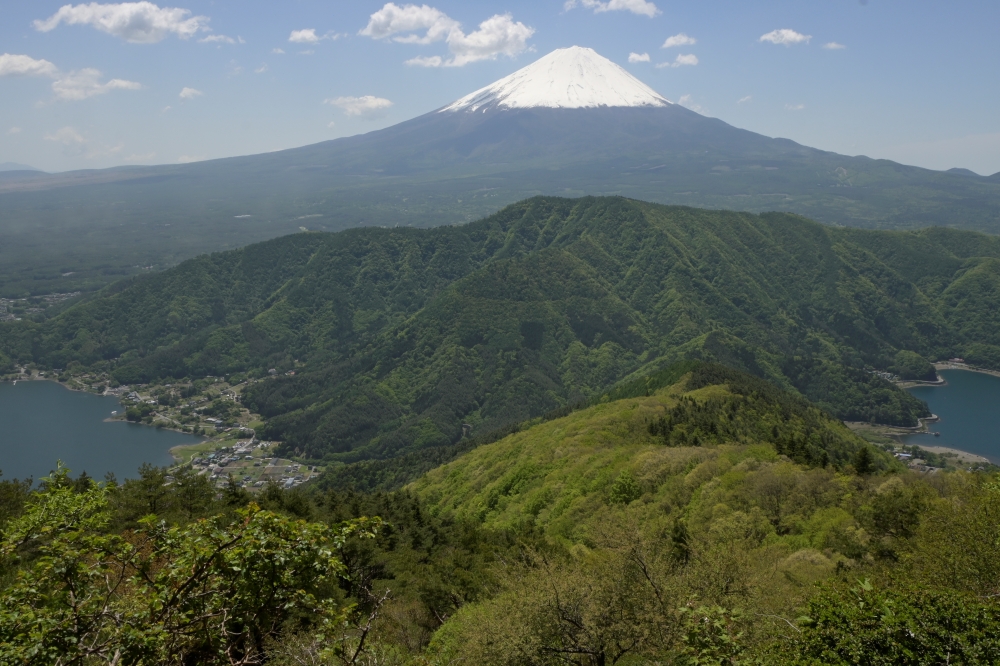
<point>399,336</point>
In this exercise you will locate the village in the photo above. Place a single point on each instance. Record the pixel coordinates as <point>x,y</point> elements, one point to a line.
<point>15,309</point>
<point>210,407</point>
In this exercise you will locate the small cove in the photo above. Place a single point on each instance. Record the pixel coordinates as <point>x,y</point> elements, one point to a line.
<point>42,422</point>
<point>969,407</point>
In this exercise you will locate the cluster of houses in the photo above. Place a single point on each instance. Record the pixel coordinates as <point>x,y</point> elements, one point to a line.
<point>238,461</point>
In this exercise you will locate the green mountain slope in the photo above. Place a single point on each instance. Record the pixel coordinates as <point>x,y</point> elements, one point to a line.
<point>399,336</point>
<point>565,475</point>
<point>670,553</point>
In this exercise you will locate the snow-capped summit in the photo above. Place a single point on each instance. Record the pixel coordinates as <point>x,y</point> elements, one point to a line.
<point>570,78</point>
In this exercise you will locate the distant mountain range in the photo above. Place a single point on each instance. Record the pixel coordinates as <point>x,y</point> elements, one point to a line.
<point>572,123</point>
<point>14,166</point>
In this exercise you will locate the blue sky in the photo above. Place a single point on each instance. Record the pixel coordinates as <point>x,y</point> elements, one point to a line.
<point>98,85</point>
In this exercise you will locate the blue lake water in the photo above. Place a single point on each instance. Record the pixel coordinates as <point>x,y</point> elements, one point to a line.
<point>969,407</point>
<point>42,422</point>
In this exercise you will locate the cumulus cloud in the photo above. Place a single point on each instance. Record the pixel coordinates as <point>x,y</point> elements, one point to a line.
<point>190,93</point>
<point>303,36</point>
<point>744,100</point>
<point>219,39</point>
<point>392,20</point>
<point>136,22</point>
<point>795,107</point>
<point>422,24</point>
<point>367,106</point>
<point>833,46</point>
<point>66,136</point>
<point>680,39</point>
<point>74,85</point>
<point>309,36</point>
<point>682,60</point>
<point>641,7</point>
<point>638,57</point>
<point>278,51</point>
<point>14,130</point>
<point>785,37</point>
<point>22,65</point>
<point>187,159</point>
<point>425,61</point>
<point>84,83</point>
<point>75,144</point>
<point>261,69</point>
<point>688,102</point>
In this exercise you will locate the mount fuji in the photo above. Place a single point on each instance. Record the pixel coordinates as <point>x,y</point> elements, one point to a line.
<point>572,123</point>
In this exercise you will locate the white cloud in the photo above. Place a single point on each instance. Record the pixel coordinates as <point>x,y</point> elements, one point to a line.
<point>309,36</point>
<point>84,83</point>
<point>785,37</point>
<point>137,22</point>
<point>75,144</point>
<point>638,57</point>
<point>22,65</point>
<point>367,106</point>
<point>218,39</point>
<point>425,61</point>
<point>688,102</point>
<point>744,100</point>
<point>392,20</point>
<point>833,46</point>
<point>795,107</point>
<point>680,39</point>
<point>186,159</point>
<point>413,24</point>
<point>682,60</point>
<point>75,85</point>
<point>641,7</point>
<point>278,51</point>
<point>14,130</point>
<point>190,93</point>
<point>304,36</point>
<point>261,69</point>
<point>66,136</point>
<point>331,124</point>
<point>139,158</point>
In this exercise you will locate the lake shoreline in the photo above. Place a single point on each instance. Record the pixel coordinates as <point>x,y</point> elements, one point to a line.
<point>968,368</point>
<point>44,424</point>
<point>111,419</point>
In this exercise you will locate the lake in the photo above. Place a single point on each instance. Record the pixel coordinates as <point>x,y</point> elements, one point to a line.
<point>969,407</point>
<point>42,422</point>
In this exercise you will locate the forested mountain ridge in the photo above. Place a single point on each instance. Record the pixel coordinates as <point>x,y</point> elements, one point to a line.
<point>399,336</point>
<point>73,231</point>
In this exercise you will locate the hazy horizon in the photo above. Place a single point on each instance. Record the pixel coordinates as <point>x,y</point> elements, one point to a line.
<point>95,86</point>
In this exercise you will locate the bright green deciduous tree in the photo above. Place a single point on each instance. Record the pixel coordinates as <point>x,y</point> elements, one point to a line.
<point>210,592</point>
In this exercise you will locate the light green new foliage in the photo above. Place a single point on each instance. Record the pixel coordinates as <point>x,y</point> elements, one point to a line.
<point>214,590</point>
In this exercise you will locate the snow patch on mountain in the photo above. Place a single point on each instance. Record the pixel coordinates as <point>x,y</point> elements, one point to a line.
<point>570,78</point>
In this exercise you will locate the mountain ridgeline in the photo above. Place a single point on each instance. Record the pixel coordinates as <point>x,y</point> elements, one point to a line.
<point>400,336</point>
<point>64,232</point>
